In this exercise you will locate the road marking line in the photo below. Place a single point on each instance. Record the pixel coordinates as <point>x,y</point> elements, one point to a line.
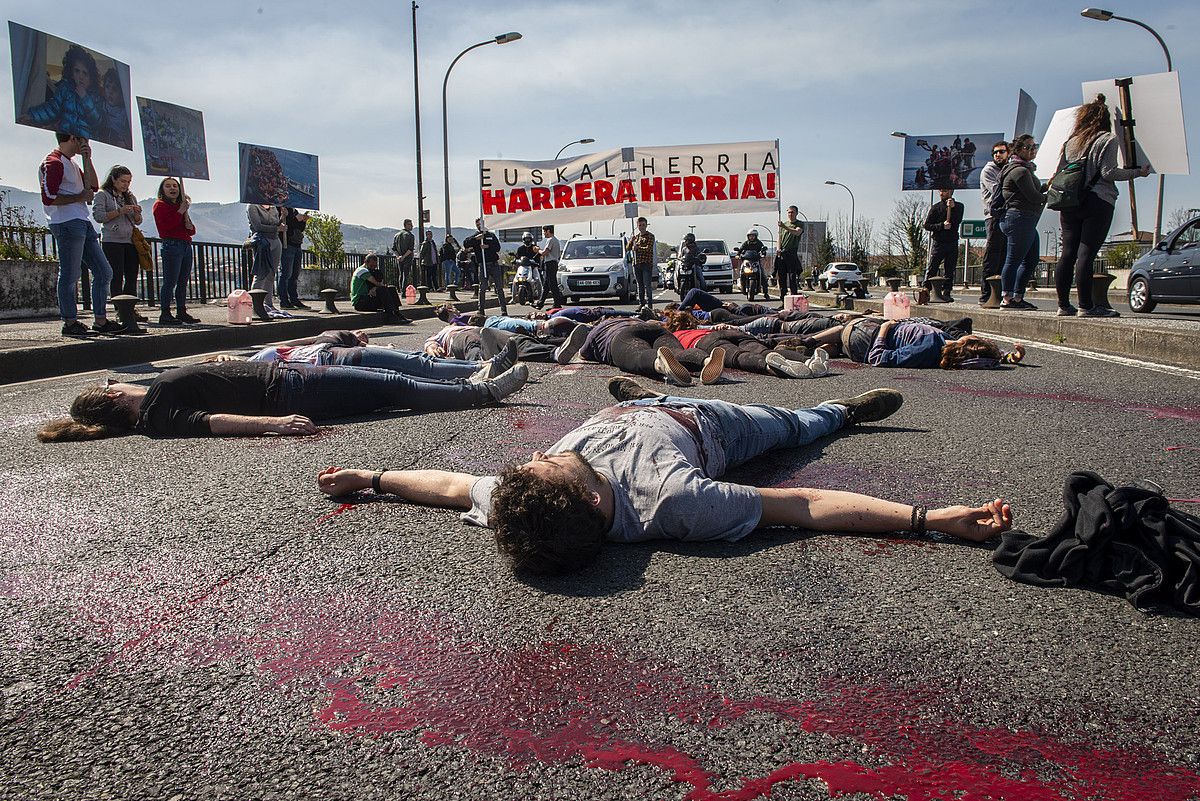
<point>1105,357</point>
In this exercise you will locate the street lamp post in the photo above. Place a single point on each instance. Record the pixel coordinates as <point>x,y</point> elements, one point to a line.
<point>1104,16</point>
<point>850,244</point>
<point>503,38</point>
<point>417,122</point>
<point>569,144</point>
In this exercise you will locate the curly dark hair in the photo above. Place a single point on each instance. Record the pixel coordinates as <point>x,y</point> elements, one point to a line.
<point>545,527</point>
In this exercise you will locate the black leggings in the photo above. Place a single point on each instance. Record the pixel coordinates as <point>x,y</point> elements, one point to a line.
<point>123,258</point>
<point>1083,232</point>
<point>633,349</point>
<point>386,299</point>
<point>743,351</point>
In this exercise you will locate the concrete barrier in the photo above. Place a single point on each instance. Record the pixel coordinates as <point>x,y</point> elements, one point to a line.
<point>28,289</point>
<point>311,282</point>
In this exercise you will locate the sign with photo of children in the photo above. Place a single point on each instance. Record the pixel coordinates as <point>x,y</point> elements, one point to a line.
<point>950,161</point>
<point>277,177</point>
<point>63,86</point>
<point>173,138</point>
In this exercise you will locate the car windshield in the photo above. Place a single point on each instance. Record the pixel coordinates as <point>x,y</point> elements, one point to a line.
<point>711,247</point>
<point>607,249</point>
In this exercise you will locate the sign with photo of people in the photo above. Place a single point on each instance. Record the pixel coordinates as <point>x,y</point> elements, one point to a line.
<point>950,161</point>
<point>173,138</point>
<point>63,86</point>
<point>277,177</point>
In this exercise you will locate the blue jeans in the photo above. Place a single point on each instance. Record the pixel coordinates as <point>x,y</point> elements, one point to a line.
<point>417,365</point>
<point>326,393</point>
<point>645,283</point>
<point>289,275</point>
<point>77,242</point>
<point>450,272</point>
<point>746,431</point>
<point>1021,257</point>
<point>176,268</point>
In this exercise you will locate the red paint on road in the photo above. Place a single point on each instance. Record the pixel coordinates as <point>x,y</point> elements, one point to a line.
<point>341,510</point>
<point>384,673</point>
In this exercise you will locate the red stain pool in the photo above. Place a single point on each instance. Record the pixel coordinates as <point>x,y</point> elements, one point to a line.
<point>381,674</point>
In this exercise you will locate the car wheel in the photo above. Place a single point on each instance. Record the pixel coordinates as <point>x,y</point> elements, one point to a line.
<point>1139,296</point>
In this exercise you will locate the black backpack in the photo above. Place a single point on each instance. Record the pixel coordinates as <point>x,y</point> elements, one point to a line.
<point>1069,187</point>
<point>998,204</point>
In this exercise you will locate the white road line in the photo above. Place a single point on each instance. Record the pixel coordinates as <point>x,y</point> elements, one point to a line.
<point>1169,369</point>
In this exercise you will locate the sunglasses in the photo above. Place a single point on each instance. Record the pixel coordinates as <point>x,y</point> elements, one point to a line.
<point>999,152</point>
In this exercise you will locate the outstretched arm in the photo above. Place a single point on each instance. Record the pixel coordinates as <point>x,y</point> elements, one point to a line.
<point>430,487</point>
<point>241,425</point>
<point>831,510</point>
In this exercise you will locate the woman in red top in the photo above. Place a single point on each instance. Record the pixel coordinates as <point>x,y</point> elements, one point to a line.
<point>744,351</point>
<point>176,231</point>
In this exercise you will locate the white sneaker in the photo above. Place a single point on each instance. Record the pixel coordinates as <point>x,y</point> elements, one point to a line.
<point>819,363</point>
<point>787,368</point>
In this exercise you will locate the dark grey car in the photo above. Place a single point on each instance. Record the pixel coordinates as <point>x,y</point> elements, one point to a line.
<point>1170,273</point>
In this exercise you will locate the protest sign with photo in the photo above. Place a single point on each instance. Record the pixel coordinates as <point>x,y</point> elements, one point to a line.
<point>173,138</point>
<point>278,177</point>
<point>62,86</point>
<point>632,182</point>
<point>949,161</point>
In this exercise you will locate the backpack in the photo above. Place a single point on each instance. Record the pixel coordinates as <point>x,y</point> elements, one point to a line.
<point>998,203</point>
<point>1069,187</point>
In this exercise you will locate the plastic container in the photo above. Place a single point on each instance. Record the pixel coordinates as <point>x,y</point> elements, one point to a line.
<point>410,294</point>
<point>795,303</point>
<point>241,307</point>
<point>896,306</point>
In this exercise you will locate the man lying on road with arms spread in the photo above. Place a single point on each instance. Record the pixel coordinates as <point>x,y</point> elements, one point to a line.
<point>647,468</point>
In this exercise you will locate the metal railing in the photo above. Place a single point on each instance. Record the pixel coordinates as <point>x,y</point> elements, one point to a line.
<point>217,268</point>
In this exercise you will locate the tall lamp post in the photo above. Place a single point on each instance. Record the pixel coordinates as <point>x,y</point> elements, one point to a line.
<point>569,144</point>
<point>503,38</point>
<point>850,244</point>
<point>1104,16</point>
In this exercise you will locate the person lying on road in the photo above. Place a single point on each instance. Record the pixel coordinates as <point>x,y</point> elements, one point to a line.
<point>648,468</point>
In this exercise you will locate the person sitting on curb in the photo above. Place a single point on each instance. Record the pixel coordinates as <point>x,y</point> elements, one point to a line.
<point>256,398</point>
<point>648,468</point>
<point>350,349</point>
<point>369,293</point>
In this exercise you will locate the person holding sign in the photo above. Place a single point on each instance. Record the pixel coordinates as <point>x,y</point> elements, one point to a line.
<point>642,247</point>
<point>1085,227</point>
<point>176,230</point>
<point>943,221</point>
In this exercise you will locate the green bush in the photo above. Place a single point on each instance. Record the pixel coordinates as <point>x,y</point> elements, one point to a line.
<point>18,232</point>
<point>324,233</point>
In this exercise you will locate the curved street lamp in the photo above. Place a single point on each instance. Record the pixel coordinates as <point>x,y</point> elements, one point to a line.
<point>569,144</point>
<point>850,244</point>
<point>503,38</point>
<point>1104,16</point>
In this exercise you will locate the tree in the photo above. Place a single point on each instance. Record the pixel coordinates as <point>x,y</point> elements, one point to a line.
<point>904,237</point>
<point>19,232</point>
<point>1178,217</point>
<point>1122,256</point>
<point>826,252</point>
<point>324,232</point>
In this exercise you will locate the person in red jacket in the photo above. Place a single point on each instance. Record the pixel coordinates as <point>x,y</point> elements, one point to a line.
<point>176,231</point>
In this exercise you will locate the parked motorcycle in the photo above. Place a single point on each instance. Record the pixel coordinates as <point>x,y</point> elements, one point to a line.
<point>753,280</point>
<point>526,283</point>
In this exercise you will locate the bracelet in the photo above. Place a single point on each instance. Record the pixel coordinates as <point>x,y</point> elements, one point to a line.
<point>375,479</point>
<point>917,520</point>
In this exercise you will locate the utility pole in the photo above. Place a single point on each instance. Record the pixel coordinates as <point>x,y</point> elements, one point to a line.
<point>417,117</point>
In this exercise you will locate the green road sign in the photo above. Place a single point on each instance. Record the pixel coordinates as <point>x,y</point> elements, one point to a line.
<point>974,229</point>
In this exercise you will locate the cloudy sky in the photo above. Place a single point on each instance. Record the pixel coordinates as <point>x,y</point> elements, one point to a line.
<point>829,78</point>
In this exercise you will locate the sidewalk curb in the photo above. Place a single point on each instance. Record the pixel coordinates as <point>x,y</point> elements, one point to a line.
<point>1161,345</point>
<point>74,356</point>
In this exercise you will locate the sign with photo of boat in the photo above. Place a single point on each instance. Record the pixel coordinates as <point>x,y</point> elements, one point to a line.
<point>59,85</point>
<point>946,161</point>
<point>277,177</point>
<point>173,138</point>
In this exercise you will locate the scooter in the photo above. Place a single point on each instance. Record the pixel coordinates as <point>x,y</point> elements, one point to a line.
<point>526,285</point>
<point>753,279</point>
<point>685,272</point>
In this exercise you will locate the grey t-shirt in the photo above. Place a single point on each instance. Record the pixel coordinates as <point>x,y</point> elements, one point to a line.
<point>661,461</point>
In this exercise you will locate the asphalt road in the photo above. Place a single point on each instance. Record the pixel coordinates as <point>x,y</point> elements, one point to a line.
<point>191,619</point>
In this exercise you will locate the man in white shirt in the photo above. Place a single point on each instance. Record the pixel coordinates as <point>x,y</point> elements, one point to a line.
<point>66,193</point>
<point>997,242</point>
<point>550,249</point>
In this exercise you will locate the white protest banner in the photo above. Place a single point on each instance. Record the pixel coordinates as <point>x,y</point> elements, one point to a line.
<point>1157,112</point>
<point>631,182</point>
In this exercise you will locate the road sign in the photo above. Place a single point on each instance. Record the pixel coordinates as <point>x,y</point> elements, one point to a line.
<point>974,229</point>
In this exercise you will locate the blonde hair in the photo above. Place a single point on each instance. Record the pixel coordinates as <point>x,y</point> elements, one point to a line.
<point>94,415</point>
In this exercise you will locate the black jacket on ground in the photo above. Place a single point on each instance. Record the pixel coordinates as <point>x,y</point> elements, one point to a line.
<point>937,216</point>
<point>1124,540</point>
